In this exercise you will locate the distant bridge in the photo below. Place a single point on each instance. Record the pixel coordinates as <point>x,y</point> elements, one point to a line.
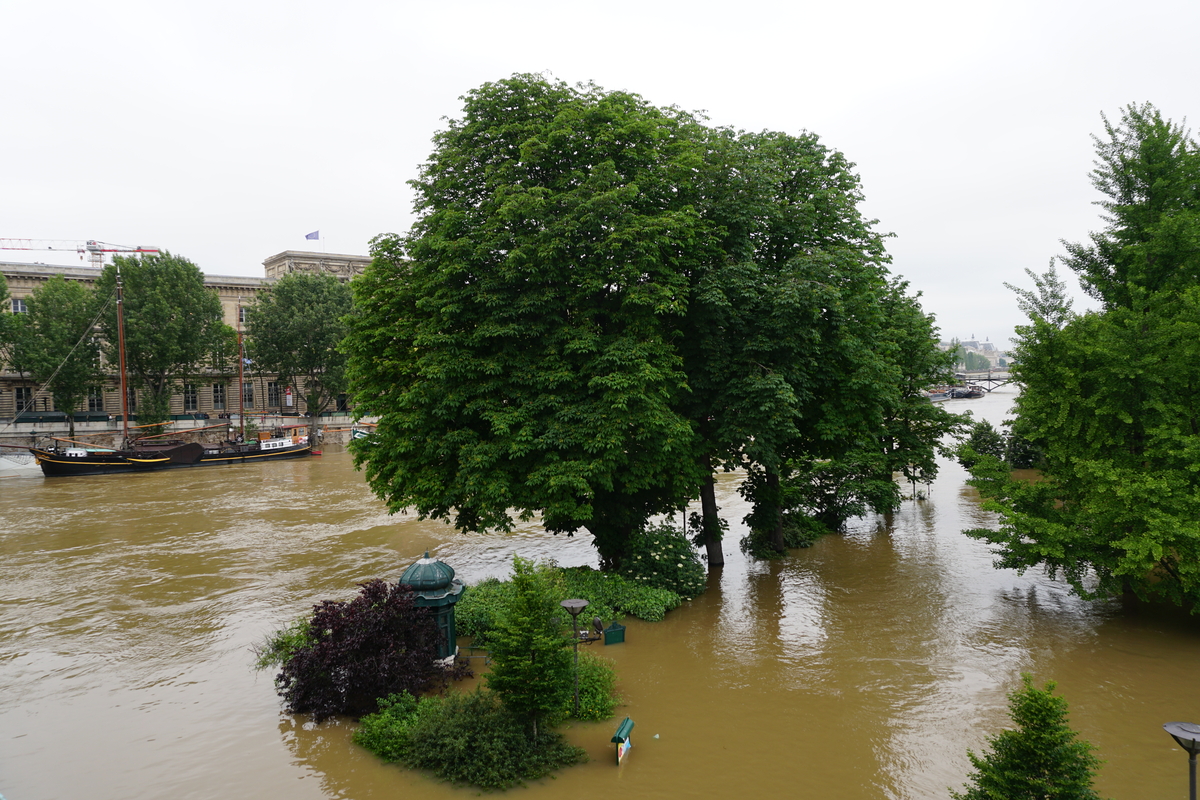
<point>988,380</point>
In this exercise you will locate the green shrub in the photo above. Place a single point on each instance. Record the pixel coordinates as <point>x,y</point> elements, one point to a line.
<point>597,688</point>
<point>280,645</point>
<point>799,530</point>
<point>377,644</point>
<point>476,612</point>
<point>610,596</point>
<point>465,738</point>
<point>661,557</point>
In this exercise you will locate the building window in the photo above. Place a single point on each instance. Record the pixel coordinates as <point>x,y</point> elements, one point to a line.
<point>19,307</point>
<point>248,395</point>
<point>95,399</point>
<point>131,394</point>
<point>343,402</point>
<point>191,398</point>
<point>272,394</point>
<point>242,315</point>
<point>24,398</point>
<point>219,396</point>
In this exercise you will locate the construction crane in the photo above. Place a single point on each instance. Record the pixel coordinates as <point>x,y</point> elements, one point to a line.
<point>95,250</point>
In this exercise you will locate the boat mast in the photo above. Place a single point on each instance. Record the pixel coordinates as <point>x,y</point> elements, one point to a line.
<point>121,358</point>
<point>241,377</point>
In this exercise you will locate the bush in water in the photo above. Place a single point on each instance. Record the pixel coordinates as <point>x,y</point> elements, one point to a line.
<point>372,646</point>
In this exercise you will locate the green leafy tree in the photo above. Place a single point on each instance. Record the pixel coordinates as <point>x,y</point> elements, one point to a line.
<point>1042,759</point>
<point>1148,169</point>
<point>1106,396</point>
<point>915,431</point>
<point>58,346</point>
<point>173,324</point>
<point>531,663</point>
<point>791,352</point>
<point>518,345</point>
<point>984,440</point>
<point>295,329</point>
<point>602,302</point>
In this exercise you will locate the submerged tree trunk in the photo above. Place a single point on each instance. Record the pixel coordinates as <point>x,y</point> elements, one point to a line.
<point>774,498</point>
<point>710,522</point>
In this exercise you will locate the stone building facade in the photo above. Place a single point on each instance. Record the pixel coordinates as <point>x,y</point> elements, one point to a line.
<point>214,395</point>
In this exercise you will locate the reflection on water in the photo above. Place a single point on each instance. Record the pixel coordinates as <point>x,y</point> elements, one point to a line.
<point>862,667</point>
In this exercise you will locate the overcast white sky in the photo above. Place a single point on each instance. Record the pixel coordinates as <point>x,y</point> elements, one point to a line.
<point>226,131</point>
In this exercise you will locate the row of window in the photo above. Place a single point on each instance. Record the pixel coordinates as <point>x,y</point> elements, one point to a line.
<point>191,398</point>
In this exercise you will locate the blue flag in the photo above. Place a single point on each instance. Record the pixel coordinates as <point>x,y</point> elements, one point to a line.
<point>313,235</point>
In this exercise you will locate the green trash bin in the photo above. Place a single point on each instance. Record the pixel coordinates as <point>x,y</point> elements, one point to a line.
<point>614,634</point>
<point>621,738</point>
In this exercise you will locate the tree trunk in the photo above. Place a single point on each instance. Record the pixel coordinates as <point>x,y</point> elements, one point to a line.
<point>777,511</point>
<point>710,522</point>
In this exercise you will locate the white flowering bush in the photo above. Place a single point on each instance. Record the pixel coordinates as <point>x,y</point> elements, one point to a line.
<point>662,557</point>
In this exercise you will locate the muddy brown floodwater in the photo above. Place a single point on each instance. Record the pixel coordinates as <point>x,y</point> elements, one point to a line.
<point>862,667</point>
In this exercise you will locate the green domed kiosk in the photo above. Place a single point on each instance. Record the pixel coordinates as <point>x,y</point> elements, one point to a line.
<point>435,587</point>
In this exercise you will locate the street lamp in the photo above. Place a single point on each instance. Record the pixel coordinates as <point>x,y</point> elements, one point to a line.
<point>574,607</point>
<point>1187,735</point>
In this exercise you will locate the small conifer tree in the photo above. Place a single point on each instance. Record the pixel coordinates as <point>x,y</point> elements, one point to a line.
<point>531,665</point>
<point>1041,760</point>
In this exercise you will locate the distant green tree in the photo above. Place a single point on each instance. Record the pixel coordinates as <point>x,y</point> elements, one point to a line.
<point>1041,760</point>
<point>58,347</point>
<point>1019,452</point>
<point>983,440</point>
<point>531,663</point>
<point>173,324</point>
<point>296,328</point>
<point>975,361</point>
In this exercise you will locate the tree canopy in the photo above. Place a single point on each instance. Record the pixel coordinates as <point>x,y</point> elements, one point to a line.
<point>602,301</point>
<point>1106,395</point>
<point>173,325</point>
<point>295,328</point>
<point>58,346</point>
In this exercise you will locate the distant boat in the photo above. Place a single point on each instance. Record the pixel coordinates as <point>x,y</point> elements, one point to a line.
<point>150,456</point>
<point>150,453</point>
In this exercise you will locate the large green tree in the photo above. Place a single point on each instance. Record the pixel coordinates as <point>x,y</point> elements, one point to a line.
<point>1107,395</point>
<point>58,346</point>
<point>602,302</point>
<point>295,329</point>
<point>800,352</point>
<point>173,326</point>
<point>518,345</point>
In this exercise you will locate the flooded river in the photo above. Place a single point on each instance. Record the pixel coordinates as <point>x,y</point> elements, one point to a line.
<point>862,667</point>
